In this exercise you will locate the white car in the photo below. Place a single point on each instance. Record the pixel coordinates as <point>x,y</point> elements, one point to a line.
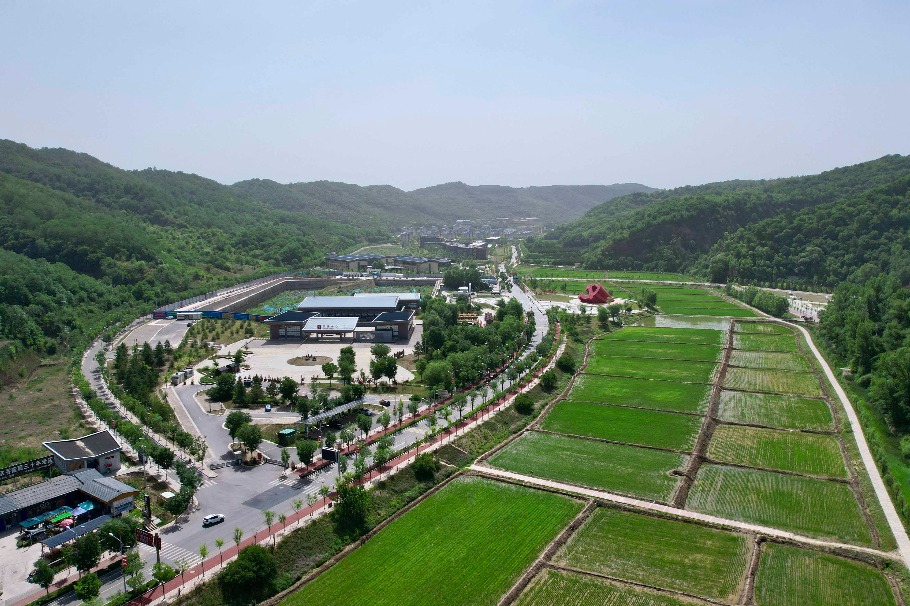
<point>211,520</point>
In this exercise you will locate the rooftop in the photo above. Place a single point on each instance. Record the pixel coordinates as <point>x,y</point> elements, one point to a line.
<point>291,316</point>
<point>394,316</point>
<point>89,481</point>
<point>367,301</point>
<point>87,447</point>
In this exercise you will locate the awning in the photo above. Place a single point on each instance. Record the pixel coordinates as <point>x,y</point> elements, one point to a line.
<point>83,507</point>
<point>31,522</point>
<point>61,516</point>
<point>74,532</point>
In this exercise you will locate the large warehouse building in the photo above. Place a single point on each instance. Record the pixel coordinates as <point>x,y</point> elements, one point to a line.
<point>386,317</point>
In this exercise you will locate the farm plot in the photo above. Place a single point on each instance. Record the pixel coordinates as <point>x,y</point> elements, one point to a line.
<point>807,453</point>
<point>650,368</point>
<point>629,470</point>
<point>762,342</point>
<point>577,287</point>
<point>766,328</point>
<point>732,311</point>
<point>789,576</point>
<point>668,335</point>
<point>773,381</point>
<point>669,554</point>
<point>469,542</point>
<point>632,425</point>
<point>638,349</point>
<point>573,589</point>
<point>659,395</point>
<point>818,508</point>
<point>784,412</point>
<point>770,360</point>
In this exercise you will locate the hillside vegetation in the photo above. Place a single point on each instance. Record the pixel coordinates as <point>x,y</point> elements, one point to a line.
<point>810,230</point>
<point>389,206</point>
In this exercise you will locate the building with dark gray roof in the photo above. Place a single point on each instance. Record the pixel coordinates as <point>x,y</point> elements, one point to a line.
<point>99,450</point>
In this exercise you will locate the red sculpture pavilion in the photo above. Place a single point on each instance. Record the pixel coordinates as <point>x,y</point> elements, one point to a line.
<point>595,293</point>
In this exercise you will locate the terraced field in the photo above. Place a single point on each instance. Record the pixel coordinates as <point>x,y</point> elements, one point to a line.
<point>571,589</point>
<point>806,453</point>
<point>631,425</point>
<point>788,576</point>
<point>629,470</point>
<point>784,412</point>
<point>770,360</point>
<point>660,395</point>
<point>638,349</point>
<point>773,381</point>
<point>651,368</point>
<point>659,552</point>
<point>481,532</point>
<point>818,508</point>
<point>763,342</point>
<point>703,336</point>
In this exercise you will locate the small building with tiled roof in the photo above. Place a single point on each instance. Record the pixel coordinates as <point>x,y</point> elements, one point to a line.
<point>99,450</point>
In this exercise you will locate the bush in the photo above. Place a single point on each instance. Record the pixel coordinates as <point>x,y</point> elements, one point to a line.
<point>567,363</point>
<point>548,381</point>
<point>250,576</point>
<point>87,587</point>
<point>424,467</point>
<point>524,403</point>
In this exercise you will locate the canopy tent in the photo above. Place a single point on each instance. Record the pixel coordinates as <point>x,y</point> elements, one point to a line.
<point>48,516</point>
<point>74,532</point>
<point>84,507</point>
<point>61,516</point>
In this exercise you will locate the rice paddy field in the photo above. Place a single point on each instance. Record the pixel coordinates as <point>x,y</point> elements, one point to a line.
<point>668,335</point>
<point>480,532</point>
<point>577,287</point>
<point>659,552</point>
<point>783,412</point>
<point>638,349</point>
<point>807,453</point>
<point>659,395</point>
<point>773,381</point>
<point>788,576</point>
<point>766,328</point>
<point>818,508</point>
<point>763,342</point>
<point>572,589</point>
<point>630,470</point>
<point>651,368</point>
<point>770,360</point>
<point>631,425</point>
<point>592,274</point>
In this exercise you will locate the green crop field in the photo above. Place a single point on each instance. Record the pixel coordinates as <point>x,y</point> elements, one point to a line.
<point>577,287</point>
<point>650,368</point>
<point>785,412</point>
<point>639,349</point>
<point>818,508</point>
<point>669,554</point>
<point>660,395</point>
<point>766,328</point>
<point>807,453</point>
<point>732,311</point>
<point>773,381</point>
<point>569,272</point>
<point>668,335</point>
<point>630,470</point>
<point>788,576</point>
<point>633,425</point>
<point>761,342</point>
<point>467,544</point>
<point>573,589</point>
<point>770,359</point>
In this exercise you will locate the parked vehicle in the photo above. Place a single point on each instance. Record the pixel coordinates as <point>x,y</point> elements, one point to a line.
<point>212,519</point>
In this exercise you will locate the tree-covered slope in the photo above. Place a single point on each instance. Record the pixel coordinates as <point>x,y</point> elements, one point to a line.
<point>389,206</point>
<point>673,229</point>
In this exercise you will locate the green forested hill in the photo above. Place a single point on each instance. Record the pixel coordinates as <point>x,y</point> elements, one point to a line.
<point>674,230</point>
<point>445,203</point>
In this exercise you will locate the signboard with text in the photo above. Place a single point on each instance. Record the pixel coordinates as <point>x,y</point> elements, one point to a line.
<point>20,469</point>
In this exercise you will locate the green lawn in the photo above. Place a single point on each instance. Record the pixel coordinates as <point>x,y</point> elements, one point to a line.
<point>807,453</point>
<point>632,425</point>
<point>629,470</point>
<point>668,335</point>
<point>788,576</point>
<point>551,587</point>
<point>660,395</point>
<point>761,342</point>
<point>818,508</point>
<point>467,544</point>
<point>669,554</point>
<point>770,359</point>
<point>637,349</point>
<point>650,368</point>
<point>785,412</point>
<point>773,381</point>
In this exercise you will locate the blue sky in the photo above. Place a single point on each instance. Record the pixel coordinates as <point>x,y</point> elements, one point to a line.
<point>414,94</point>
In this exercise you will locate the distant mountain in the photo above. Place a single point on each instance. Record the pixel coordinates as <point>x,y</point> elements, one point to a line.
<point>438,204</point>
<point>674,230</point>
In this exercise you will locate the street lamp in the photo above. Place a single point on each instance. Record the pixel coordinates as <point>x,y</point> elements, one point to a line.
<point>122,567</point>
